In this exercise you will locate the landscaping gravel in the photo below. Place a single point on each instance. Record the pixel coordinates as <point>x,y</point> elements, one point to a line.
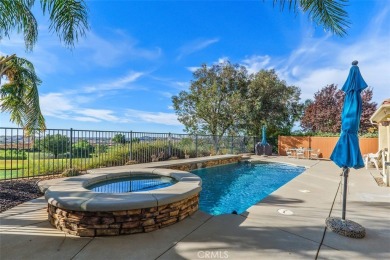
<point>15,192</point>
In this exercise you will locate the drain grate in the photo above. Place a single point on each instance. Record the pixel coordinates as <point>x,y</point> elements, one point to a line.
<point>285,212</point>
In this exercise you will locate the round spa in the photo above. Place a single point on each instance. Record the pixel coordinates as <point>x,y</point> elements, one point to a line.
<point>121,202</point>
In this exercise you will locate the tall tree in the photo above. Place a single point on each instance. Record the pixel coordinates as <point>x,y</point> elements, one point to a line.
<point>330,14</point>
<point>270,101</point>
<point>54,144</point>
<point>212,103</point>
<point>19,96</point>
<point>82,149</point>
<point>324,113</point>
<point>368,109</point>
<point>119,139</point>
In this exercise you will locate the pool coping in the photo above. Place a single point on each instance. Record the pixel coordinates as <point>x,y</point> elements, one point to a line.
<point>71,193</point>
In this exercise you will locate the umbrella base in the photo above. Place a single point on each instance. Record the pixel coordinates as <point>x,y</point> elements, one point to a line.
<point>346,227</point>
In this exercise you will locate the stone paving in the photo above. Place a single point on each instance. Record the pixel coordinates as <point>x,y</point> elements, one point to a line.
<point>259,233</point>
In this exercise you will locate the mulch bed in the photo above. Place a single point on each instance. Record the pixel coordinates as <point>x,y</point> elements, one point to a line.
<point>15,192</point>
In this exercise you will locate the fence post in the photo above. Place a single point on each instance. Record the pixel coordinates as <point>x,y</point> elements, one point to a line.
<point>131,145</point>
<point>71,144</point>
<point>196,145</point>
<point>169,145</point>
<point>232,145</point>
<point>254,144</point>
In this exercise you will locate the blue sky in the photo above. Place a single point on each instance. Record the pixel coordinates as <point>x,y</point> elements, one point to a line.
<point>139,53</point>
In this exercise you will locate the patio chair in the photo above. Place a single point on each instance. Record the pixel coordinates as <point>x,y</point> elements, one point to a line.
<point>373,158</point>
<point>300,153</point>
<point>289,153</point>
<point>315,154</point>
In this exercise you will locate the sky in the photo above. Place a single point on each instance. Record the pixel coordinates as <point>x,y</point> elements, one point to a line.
<point>138,54</point>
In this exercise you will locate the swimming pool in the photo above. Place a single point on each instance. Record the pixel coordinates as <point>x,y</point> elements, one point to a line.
<point>139,182</point>
<point>236,187</point>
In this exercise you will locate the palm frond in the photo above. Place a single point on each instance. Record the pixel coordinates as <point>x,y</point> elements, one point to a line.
<point>327,13</point>
<point>16,14</point>
<point>292,4</point>
<point>20,95</point>
<point>68,19</point>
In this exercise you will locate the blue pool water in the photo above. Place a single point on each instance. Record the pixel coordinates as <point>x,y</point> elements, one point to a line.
<point>236,187</point>
<point>142,182</point>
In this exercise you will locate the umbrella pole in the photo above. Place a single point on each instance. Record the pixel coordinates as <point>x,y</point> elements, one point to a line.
<point>344,226</point>
<point>345,174</point>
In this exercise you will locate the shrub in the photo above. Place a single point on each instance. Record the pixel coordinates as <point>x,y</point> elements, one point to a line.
<point>13,155</point>
<point>70,172</point>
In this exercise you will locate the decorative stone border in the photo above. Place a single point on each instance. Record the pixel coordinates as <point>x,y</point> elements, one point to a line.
<point>79,211</point>
<point>209,162</point>
<point>123,222</point>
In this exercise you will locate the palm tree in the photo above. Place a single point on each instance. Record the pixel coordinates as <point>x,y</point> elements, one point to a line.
<point>68,19</point>
<point>19,95</point>
<point>327,13</point>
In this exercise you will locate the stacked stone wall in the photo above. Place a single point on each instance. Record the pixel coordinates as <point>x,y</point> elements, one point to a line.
<point>113,223</point>
<point>197,165</point>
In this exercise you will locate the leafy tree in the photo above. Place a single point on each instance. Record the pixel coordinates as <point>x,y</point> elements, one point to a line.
<point>211,104</point>
<point>119,139</point>
<point>54,144</point>
<point>330,14</point>
<point>101,148</point>
<point>82,149</point>
<point>324,113</point>
<point>269,101</point>
<point>19,97</point>
<point>368,109</point>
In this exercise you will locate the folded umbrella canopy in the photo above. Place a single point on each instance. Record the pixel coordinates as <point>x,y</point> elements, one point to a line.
<point>264,138</point>
<point>346,153</point>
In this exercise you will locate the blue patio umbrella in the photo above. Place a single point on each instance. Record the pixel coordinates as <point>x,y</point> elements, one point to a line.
<point>346,153</point>
<point>264,137</point>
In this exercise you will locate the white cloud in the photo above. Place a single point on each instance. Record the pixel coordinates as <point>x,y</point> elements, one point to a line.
<point>166,94</point>
<point>115,84</point>
<point>181,85</point>
<point>329,63</point>
<point>85,119</point>
<point>192,69</point>
<point>256,63</point>
<point>115,48</point>
<point>99,114</point>
<point>59,105</point>
<point>222,60</point>
<point>153,117</point>
<point>318,62</point>
<point>195,46</point>
<point>55,104</point>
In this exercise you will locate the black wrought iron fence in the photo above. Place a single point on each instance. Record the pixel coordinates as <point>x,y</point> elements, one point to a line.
<point>55,150</point>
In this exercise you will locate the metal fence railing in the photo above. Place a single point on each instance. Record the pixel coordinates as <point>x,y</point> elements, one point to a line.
<point>55,150</point>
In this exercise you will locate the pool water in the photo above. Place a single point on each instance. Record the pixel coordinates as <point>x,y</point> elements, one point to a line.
<point>133,184</point>
<point>236,187</point>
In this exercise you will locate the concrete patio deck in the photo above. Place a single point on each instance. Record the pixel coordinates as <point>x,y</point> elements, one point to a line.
<point>259,233</point>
